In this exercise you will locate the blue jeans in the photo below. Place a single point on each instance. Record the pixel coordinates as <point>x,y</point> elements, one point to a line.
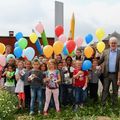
<point>36,91</point>
<point>80,95</point>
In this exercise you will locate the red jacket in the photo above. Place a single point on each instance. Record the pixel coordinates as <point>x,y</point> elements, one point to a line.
<point>81,80</point>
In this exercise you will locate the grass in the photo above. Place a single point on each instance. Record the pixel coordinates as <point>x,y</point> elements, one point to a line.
<point>89,112</point>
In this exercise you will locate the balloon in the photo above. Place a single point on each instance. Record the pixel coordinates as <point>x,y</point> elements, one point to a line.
<point>2,48</point>
<point>16,44</point>
<point>58,47</point>
<point>65,51</point>
<point>18,52</point>
<point>79,41</point>
<point>88,38</point>
<point>72,54</point>
<point>100,46</point>
<point>38,46</point>
<point>59,30</point>
<point>100,33</point>
<point>18,36</point>
<point>88,52</point>
<point>10,56</point>
<point>44,39</point>
<point>70,45</point>
<point>23,43</point>
<point>2,60</point>
<point>48,51</point>
<point>39,27</point>
<point>86,65</point>
<point>29,53</point>
<point>33,37</point>
<point>62,38</point>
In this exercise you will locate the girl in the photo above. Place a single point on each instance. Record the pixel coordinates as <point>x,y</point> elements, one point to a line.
<point>67,82</point>
<point>80,80</point>
<point>10,78</point>
<point>28,67</point>
<point>19,89</point>
<point>93,80</point>
<point>43,68</point>
<point>1,79</point>
<point>52,87</point>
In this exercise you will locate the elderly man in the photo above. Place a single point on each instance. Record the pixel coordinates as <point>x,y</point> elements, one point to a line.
<point>111,59</point>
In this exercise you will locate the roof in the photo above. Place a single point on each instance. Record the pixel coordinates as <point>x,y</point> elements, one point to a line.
<point>114,34</point>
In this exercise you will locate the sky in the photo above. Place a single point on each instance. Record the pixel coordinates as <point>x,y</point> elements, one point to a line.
<point>23,15</point>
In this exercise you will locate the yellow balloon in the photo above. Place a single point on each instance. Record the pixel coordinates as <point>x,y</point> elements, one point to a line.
<point>88,52</point>
<point>33,37</point>
<point>100,33</point>
<point>58,47</point>
<point>48,51</point>
<point>2,48</point>
<point>100,46</point>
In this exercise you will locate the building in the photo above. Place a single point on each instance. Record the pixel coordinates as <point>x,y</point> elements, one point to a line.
<point>114,34</point>
<point>10,40</point>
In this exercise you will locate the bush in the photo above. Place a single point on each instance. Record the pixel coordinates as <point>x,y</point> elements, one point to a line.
<point>8,103</point>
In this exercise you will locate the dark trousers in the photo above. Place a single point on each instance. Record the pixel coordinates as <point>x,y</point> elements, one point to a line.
<point>93,91</point>
<point>101,77</point>
<point>112,78</point>
<point>67,94</point>
<point>27,95</point>
<point>78,95</point>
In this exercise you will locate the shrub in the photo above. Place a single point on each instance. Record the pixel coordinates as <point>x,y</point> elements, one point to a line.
<point>8,102</point>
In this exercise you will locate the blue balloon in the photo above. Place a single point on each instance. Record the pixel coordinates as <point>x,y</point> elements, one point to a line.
<point>18,36</point>
<point>29,53</point>
<point>65,51</point>
<point>16,44</point>
<point>38,46</point>
<point>87,64</point>
<point>18,52</point>
<point>88,38</point>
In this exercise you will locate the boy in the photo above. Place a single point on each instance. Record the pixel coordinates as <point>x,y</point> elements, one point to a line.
<point>36,81</point>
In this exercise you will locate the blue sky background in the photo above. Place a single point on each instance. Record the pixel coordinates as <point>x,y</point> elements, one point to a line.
<point>23,15</point>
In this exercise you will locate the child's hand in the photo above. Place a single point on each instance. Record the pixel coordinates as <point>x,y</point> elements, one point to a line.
<point>118,82</point>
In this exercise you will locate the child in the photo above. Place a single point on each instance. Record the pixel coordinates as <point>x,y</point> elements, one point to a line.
<point>60,68</point>
<point>43,68</point>
<point>93,80</point>
<point>80,84</point>
<point>28,67</point>
<point>19,89</point>
<point>10,78</point>
<point>1,79</point>
<point>67,82</point>
<point>36,81</point>
<point>52,87</point>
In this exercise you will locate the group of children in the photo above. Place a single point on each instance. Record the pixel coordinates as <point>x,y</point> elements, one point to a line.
<point>43,81</point>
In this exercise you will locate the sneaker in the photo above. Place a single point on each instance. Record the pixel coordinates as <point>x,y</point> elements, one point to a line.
<point>81,106</point>
<point>39,112</point>
<point>31,113</point>
<point>75,108</point>
<point>45,113</point>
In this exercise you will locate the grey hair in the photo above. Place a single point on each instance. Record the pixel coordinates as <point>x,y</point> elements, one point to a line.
<point>113,38</point>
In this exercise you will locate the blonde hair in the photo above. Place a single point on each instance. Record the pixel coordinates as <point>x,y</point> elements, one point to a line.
<point>52,61</point>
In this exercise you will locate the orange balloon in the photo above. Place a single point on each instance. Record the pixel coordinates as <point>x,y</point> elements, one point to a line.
<point>58,47</point>
<point>2,48</point>
<point>48,51</point>
<point>88,52</point>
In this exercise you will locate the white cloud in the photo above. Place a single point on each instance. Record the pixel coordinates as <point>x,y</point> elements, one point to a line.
<point>22,15</point>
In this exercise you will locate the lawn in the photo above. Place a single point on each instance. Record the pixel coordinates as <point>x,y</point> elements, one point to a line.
<point>89,112</point>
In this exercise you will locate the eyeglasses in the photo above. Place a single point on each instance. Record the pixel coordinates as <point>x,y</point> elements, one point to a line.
<point>113,43</point>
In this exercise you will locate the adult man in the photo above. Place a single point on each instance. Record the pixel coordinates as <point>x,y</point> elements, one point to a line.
<point>111,59</point>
